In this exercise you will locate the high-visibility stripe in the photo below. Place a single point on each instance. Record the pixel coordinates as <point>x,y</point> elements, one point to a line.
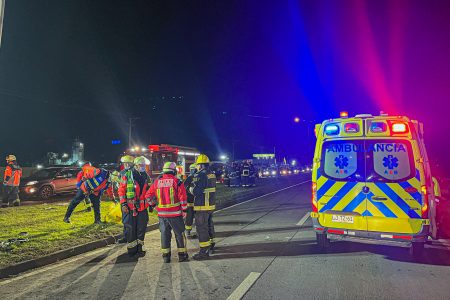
<point>381,206</point>
<point>158,195</point>
<point>190,204</point>
<point>165,250</point>
<point>209,190</point>
<point>204,208</point>
<point>204,244</point>
<point>168,205</point>
<point>172,198</point>
<point>181,250</point>
<point>188,227</point>
<point>416,195</point>
<point>132,244</point>
<point>169,213</point>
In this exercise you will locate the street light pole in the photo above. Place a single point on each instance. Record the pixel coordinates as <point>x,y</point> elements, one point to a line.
<point>130,124</point>
<point>2,13</point>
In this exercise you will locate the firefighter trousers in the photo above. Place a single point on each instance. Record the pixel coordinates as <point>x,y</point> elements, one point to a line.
<point>205,228</point>
<point>134,229</point>
<point>80,196</point>
<point>189,218</point>
<point>166,225</point>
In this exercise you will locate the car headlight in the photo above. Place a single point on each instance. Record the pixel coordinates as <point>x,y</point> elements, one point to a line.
<point>274,173</point>
<point>31,183</point>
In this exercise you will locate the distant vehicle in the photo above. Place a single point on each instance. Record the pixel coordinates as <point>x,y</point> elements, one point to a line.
<point>48,182</point>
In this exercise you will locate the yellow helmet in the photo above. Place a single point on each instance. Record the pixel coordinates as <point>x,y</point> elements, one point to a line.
<point>170,167</point>
<point>141,160</point>
<point>127,159</point>
<point>202,159</point>
<point>193,166</point>
<point>10,158</point>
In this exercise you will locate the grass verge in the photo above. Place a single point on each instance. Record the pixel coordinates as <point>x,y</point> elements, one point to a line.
<point>46,233</point>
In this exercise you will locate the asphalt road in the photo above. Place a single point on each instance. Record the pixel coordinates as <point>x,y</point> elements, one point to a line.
<point>266,250</point>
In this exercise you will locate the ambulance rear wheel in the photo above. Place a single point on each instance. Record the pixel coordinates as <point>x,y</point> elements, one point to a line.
<point>322,241</point>
<point>417,249</point>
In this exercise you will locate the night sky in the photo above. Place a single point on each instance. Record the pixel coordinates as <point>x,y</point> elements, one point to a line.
<point>210,73</point>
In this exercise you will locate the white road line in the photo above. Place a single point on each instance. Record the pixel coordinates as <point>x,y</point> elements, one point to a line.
<point>244,287</point>
<point>303,220</point>
<point>264,195</point>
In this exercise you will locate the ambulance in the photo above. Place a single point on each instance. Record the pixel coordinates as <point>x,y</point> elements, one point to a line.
<point>371,182</point>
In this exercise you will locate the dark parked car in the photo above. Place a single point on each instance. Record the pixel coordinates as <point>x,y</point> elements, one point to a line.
<point>49,181</point>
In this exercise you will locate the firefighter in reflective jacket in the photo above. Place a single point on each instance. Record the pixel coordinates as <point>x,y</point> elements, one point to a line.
<point>171,203</point>
<point>92,182</point>
<point>132,190</point>
<point>11,181</point>
<point>190,201</point>
<point>203,188</point>
<point>127,163</point>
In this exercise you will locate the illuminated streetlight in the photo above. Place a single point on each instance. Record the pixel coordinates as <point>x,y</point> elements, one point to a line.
<point>296,119</point>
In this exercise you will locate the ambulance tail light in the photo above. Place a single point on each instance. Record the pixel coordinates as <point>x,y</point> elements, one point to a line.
<point>314,197</point>
<point>425,202</point>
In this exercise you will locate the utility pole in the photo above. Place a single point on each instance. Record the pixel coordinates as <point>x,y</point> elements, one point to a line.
<point>130,125</point>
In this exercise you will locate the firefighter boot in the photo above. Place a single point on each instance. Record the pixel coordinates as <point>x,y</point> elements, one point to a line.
<point>202,254</point>
<point>212,247</point>
<point>140,251</point>
<point>166,258</point>
<point>183,256</point>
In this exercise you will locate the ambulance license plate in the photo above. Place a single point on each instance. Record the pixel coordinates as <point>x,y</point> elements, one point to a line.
<point>342,219</point>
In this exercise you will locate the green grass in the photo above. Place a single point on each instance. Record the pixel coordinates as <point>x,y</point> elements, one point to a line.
<point>47,233</point>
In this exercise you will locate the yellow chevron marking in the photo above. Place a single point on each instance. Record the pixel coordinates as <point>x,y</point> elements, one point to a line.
<point>404,195</point>
<point>333,190</point>
<point>348,198</point>
<point>389,203</point>
<point>361,207</point>
<point>373,209</point>
<point>321,181</point>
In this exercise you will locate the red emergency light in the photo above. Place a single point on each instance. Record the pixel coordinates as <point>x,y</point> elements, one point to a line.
<point>153,148</point>
<point>351,127</point>
<point>399,128</point>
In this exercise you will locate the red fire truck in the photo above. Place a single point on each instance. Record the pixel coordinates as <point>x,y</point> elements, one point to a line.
<point>159,154</point>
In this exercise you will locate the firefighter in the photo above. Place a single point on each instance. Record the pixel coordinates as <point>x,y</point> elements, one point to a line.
<point>11,181</point>
<point>127,162</point>
<point>203,188</point>
<point>190,202</point>
<point>132,190</point>
<point>171,204</point>
<point>92,182</point>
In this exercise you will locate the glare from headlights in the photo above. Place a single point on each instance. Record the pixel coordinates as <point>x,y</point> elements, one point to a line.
<point>31,183</point>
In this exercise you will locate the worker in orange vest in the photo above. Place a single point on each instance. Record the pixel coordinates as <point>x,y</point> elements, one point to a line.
<point>92,182</point>
<point>11,181</point>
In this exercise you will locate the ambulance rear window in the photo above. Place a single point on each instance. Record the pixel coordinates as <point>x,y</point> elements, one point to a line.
<point>389,160</point>
<point>343,160</point>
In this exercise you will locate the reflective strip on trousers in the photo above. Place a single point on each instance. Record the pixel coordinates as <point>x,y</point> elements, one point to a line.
<point>188,227</point>
<point>182,250</point>
<point>169,213</point>
<point>205,244</point>
<point>132,244</point>
<point>165,250</point>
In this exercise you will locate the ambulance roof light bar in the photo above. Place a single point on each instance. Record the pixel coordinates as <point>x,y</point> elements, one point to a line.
<point>332,129</point>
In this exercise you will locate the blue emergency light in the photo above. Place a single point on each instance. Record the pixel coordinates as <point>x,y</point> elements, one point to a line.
<point>378,127</point>
<point>116,142</point>
<point>331,129</point>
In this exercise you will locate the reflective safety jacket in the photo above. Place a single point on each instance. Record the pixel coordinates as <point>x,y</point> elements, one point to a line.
<point>132,193</point>
<point>203,188</point>
<point>170,196</point>
<point>12,175</point>
<point>97,184</point>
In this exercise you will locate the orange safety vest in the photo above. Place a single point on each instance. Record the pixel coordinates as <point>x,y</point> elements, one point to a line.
<point>12,175</point>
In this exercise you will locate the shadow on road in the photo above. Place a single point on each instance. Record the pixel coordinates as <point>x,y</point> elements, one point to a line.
<point>432,256</point>
<point>262,230</point>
